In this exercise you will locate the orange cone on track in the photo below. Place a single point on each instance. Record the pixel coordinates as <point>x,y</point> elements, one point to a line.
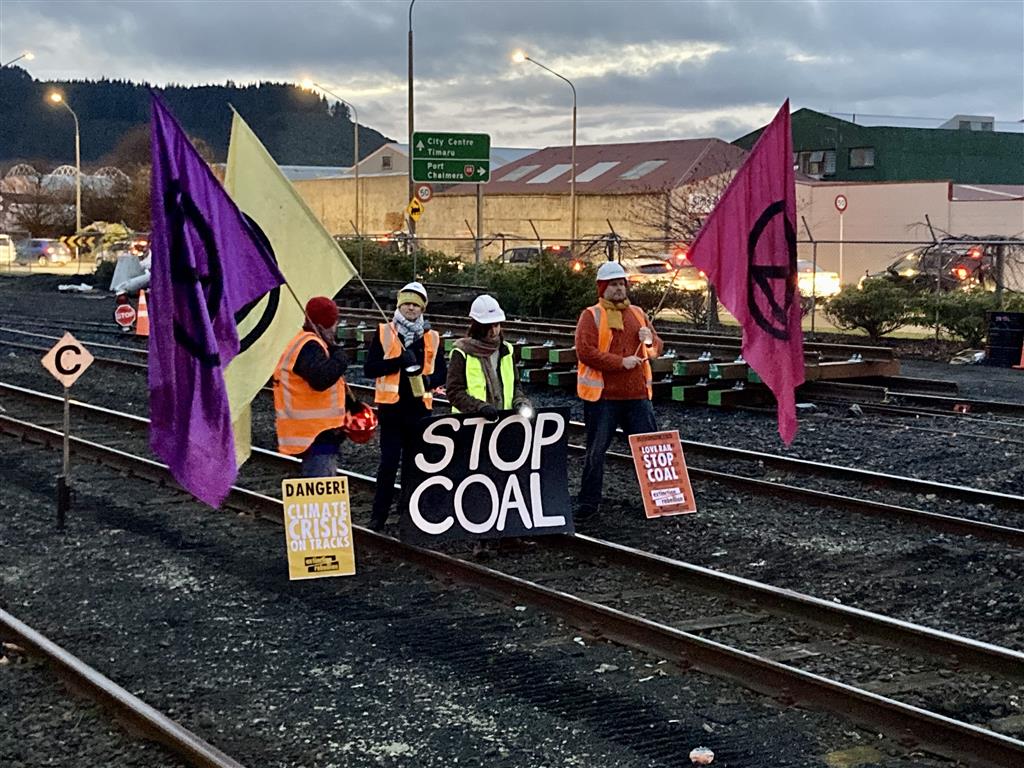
<point>1020,367</point>
<point>142,320</point>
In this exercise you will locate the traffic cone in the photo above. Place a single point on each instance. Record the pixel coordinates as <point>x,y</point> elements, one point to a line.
<point>1021,366</point>
<point>142,319</point>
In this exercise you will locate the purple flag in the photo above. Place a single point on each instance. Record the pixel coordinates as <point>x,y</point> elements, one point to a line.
<point>207,265</point>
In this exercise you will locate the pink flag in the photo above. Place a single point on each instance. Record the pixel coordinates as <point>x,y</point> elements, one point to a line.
<point>747,247</point>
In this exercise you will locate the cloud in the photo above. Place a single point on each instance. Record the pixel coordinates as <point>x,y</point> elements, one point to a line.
<point>642,70</point>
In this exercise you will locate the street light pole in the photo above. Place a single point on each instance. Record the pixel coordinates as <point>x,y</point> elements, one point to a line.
<point>520,57</point>
<point>26,55</point>
<point>412,224</point>
<point>58,98</point>
<point>355,142</point>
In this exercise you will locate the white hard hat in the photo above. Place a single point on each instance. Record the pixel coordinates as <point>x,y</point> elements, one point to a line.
<point>486,310</point>
<point>416,287</point>
<point>611,270</point>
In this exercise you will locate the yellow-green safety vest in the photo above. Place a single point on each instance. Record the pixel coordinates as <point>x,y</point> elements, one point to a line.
<point>476,382</point>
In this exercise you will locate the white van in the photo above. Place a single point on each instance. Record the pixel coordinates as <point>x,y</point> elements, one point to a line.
<point>7,250</point>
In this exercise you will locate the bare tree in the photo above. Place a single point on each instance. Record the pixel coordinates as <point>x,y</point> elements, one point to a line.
<point>39,207</point>
<point>679,214</point>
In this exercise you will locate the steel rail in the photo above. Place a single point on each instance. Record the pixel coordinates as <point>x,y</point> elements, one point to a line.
<point>555,329</point>
<point>805,466</point>
<point>907,724</point>
<point>887,397</point>
<point>142,718</point>
<point>866,476</point>
<point>953,648</point>
<point>936,521</point>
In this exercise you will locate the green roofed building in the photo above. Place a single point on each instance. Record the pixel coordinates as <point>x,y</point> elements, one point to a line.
<point>965,150</point>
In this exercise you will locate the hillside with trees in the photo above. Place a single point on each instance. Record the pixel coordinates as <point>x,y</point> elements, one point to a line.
<point>297,127</point>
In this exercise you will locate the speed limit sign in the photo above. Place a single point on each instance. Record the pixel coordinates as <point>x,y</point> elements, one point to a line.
<point>841,203</point>
<point>424,192</point>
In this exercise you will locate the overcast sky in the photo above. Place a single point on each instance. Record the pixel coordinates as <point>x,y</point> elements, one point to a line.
<point>643,70</point>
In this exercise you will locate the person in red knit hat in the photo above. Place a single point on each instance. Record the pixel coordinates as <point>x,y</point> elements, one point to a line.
<point>614,345</point>
<point>310,392</point>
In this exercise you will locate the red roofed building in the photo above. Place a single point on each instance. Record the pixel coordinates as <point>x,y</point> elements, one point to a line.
<point>630,188</point>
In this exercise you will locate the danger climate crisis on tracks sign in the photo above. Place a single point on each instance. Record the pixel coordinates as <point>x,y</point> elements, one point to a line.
<point>452,158</point>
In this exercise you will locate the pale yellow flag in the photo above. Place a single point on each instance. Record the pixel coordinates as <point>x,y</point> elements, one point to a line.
<point>309,258</point>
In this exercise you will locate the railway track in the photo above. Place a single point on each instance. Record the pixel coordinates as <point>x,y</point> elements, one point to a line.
<point>138,717</point>
<point>626,625</point>
<point>843,486</point>
<point>896,396</point>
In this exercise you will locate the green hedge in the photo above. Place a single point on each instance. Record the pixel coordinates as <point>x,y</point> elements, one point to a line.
<point>881,307</point>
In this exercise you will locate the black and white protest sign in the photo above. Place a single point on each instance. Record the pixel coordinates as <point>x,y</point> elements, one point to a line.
<point>469,478</point>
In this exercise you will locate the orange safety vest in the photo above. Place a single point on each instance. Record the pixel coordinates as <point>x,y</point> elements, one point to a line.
<point>590,381</point>
<point>302,412</point>
<point>386,387</point>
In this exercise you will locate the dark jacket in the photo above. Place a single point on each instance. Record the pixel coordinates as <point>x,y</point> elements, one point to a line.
<point>376,366</point>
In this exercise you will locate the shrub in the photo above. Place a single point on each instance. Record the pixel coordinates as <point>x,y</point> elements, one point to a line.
<point>961,314</point>
<point>692,305</point>
<point>388,261</point>
<point>547,287</point>
<point>878,308</point>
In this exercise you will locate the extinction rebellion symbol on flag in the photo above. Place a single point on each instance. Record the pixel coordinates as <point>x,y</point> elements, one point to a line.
<point>763,280</point>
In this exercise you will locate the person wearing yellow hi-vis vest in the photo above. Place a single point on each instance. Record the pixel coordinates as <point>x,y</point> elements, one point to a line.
<point>614,344</point>
<point>406,364</point>
<point>481,369</point>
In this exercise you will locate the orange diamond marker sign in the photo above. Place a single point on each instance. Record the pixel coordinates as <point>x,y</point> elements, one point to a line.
<point>67,360</point>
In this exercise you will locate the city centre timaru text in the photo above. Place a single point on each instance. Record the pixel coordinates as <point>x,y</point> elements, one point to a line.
<point>435,146</point>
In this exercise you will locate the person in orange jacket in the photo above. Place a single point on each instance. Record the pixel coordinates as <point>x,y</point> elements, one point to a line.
<point>614,343</point>
<point>310,392</point>
<point>406,361</point>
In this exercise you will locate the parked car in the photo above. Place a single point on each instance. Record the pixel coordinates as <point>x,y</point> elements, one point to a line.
<point>527,254</point>
<point>646,270</point>
<point>956,263</point>
<point>8,253</point>
<point>42,251</point>
<point>821,283</point>
<point>111,251</point>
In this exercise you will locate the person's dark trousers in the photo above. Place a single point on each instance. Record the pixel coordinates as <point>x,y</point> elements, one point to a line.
<point>602,417</point>
<point>398,427</point>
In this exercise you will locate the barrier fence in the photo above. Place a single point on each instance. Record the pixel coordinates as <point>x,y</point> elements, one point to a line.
<point>937,270</point>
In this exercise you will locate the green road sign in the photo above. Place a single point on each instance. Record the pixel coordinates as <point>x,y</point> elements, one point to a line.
<point>451,157</point>
<point>451,171</point>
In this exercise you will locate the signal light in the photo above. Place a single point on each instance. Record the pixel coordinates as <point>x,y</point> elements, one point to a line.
<point>961,272</point>
<point>976,252</point>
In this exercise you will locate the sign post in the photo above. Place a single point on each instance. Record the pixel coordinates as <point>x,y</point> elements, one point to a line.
<point>66,361</point>
<point>841,204</point>
<point>451,158</point>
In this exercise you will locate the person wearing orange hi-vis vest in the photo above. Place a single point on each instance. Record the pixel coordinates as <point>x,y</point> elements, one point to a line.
<point>310,394</point>
<point>407,365</point>
<point>614,345</point>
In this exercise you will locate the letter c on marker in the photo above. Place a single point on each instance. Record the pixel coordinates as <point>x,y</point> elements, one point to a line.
<point>58,359</point>
<point>434,529</point>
